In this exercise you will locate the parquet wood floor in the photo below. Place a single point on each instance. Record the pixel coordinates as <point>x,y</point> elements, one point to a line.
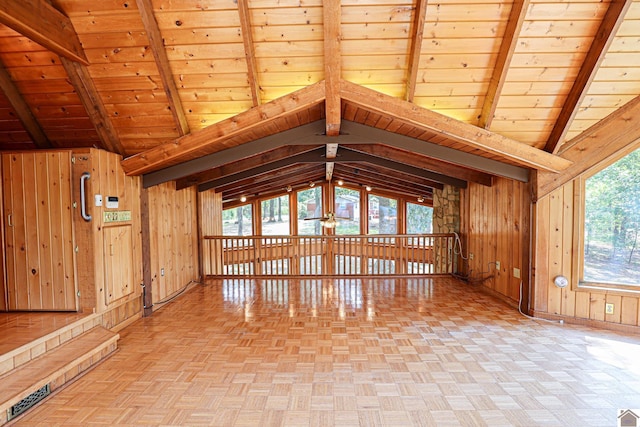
<point>351,352</point>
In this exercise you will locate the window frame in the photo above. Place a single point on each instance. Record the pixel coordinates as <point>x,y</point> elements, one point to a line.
<point>580,192</point>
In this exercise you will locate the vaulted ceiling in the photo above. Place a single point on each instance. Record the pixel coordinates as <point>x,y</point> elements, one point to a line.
<point>261,94</point>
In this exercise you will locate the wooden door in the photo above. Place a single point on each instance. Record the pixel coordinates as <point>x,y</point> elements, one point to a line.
<point>38,231</point>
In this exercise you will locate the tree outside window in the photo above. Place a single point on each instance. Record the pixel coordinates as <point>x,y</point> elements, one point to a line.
<point>612,223</point>
<point>237,221</point>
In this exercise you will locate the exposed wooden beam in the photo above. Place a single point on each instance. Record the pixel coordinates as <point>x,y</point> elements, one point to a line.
<point>355,133</point>
<point>249,51</point>
<point>224,169</point>
<point>399,177</point>
<point>216,137</point>
<point>258,147</point>
<point>162,62</point>
<point>332,64</point>
<point>44,24</point>
<point>603,38</point>
<point>616,135</point>
<point>352,175</point>
<point>428,163</point>
<point>348,156</point>
<point>507,47</point>
<point>92,102</point>
<point>332,150</point>
<point>314,156</point>
<point>269,181</point>
<point>23,111</point>
<point>469,135</point>
<point>417,35</point>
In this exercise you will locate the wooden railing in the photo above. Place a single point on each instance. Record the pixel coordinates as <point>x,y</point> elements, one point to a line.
<point>361,255</point>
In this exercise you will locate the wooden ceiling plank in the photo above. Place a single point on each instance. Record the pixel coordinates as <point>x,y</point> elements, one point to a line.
<point>503,60</point>
<point>209,139</point>
<point>603,38</point>
<point>218,171</point>
<point>44,24</point>
<point>92,102</point>
<point>417,32</point>
<point>22,110</point>
<point>249,51</point>
<point>616,135</point>
<point>332,64</point>
<point>145,7</point>
<point>469,135</point>
<point>414,159</point>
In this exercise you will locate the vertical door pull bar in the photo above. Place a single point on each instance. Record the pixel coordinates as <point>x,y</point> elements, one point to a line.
<point>83,197</point>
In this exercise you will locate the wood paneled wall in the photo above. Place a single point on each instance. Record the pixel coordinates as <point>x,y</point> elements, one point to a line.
<point>495,226</point>
<point>109,253</point>
<point>173,229</point>
<point>210,208</point>
<point>554,245</point>
<point>38,231</point>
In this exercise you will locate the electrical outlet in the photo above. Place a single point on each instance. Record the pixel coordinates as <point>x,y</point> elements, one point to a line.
<point>470,256</point>
<point>608,308</point>
<point>516,273</point>
<point>162,271</point>
<point>497,265</point>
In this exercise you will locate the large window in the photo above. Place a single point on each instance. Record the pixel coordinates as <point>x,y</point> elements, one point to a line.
<point>275,216</point>
<point>310,206</point>
<point>237,221</point>
<point>347,210</point>
<point>383,215</point>
<point>419,219</point>
<point>612,224</point>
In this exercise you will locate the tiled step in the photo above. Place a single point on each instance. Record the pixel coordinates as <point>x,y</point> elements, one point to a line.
<point>36,345</point>
<point>56,367</point>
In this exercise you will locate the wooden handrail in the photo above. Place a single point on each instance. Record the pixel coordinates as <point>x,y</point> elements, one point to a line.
<point>329,255</point>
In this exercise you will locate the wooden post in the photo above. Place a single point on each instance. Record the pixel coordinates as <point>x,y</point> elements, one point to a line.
<point>146,254</point>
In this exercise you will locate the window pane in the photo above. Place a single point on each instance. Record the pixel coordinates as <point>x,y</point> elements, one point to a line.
<point>612,223</point>
<point>310,206</point>
<point>347,206</point>
<point>419,219</point>
<point>275,216</point>
<point>383,215</point>
<point>233,226</point>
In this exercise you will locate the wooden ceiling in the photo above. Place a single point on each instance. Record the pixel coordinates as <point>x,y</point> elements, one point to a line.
<point>226,93</point>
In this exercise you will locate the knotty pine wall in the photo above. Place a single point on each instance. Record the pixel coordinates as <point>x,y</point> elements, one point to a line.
<point>495,227</point>
<point>173,226</point>
<point>98,275</point>
<point>554,244</point>
<point>210,208</point>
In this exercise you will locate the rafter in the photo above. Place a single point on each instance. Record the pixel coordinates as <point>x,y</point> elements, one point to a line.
<point>215,138</point>
<point>92,102</point>
<point>603,38</point>
<point>332,64</point>
<point>162,62</point>
<point>44,24</point>
<point>398,177</point>
<point>249,51</point>
<point>508,46</point>
<point>469,135</point>
<point>616,135</point>
<point>414,159</point>
<point>219,170</point>
<point>23,111</point>
<point>353,175</point>
<point>332,151</point>
<point>416,47</point>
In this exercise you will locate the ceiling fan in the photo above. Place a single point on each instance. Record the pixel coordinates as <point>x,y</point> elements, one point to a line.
<point>328,220</point>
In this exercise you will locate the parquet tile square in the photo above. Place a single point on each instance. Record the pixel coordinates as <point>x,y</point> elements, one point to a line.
<point>405,352</point>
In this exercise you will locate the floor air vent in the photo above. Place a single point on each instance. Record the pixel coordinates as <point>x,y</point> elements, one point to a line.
<point>28,402</point>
